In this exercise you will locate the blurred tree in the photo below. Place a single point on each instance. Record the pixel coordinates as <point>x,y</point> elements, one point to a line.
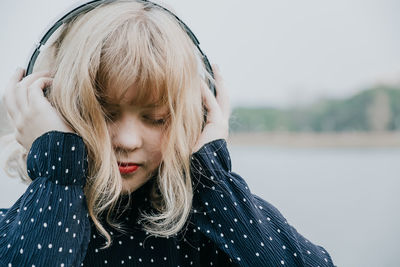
<point>375,109</point>
<point>379,112</point>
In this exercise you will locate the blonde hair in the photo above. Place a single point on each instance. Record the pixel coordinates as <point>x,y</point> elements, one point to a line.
<point>123,43</point>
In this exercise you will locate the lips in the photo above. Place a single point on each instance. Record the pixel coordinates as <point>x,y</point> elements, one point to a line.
<point>125,168</point>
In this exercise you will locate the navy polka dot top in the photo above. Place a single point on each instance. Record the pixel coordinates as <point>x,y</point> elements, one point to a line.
<point>49,224</point>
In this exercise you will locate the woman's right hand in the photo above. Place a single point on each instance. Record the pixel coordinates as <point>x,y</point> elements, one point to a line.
<point>31,113</point>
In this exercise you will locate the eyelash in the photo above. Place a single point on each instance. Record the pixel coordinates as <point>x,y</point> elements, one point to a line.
<point>113,115</point>
<point>156,122</point>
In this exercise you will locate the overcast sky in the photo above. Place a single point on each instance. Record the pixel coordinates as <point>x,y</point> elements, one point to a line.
<point>270,52</point>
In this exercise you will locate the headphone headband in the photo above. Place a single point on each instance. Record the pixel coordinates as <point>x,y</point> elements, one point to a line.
<point>88,6</point>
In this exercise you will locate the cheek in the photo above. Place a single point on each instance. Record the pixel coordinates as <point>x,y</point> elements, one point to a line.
<point>112,128</point>
<point>154,142</point>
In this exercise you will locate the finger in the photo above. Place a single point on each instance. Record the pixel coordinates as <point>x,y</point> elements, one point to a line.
<point>210,103</point>
<point>17,76</point>
<point>28,80</point>
<point>14,79</point>
<point>21,90</point>
<point>35,91</point>
<point>222,92</point>
<point>9,98</point>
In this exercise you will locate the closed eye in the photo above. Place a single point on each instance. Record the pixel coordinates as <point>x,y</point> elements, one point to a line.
<point>111,115</point>
<point>155,121</point>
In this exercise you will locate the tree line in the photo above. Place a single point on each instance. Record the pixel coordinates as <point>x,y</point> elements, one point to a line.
<point>374,109</point>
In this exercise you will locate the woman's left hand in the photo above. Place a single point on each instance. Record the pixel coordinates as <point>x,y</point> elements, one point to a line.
<point>218,112</point>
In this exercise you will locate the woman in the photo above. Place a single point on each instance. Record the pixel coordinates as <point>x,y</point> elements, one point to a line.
<point>124,170</point>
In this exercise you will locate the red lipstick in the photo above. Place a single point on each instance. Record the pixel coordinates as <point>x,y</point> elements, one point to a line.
<point>125,168</point>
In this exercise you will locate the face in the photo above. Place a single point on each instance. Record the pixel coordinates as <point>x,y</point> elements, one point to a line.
<point>136,135</point>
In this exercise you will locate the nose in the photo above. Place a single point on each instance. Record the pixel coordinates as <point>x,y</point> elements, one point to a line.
<point>126,133</point>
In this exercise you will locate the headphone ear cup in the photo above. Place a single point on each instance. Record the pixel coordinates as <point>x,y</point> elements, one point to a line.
<point>211,84</point>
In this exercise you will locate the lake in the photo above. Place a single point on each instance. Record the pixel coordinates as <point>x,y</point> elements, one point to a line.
<point>344,199</point>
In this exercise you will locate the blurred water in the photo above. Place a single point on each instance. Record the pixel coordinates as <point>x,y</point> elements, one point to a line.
<point>346,200</point>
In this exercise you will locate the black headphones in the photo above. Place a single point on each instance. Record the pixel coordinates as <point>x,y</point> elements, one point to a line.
<point>74,12</point>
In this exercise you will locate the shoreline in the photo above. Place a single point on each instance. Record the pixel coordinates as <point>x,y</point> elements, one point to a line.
<point>286,139</point>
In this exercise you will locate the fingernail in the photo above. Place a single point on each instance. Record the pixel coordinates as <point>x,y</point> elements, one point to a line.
<point>17,69</point>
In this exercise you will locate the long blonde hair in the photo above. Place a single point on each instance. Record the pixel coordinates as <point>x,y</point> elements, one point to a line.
<point>123,43</point>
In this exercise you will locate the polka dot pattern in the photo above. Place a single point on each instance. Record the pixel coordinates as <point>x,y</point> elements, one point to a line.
<point>34,230</point>
<point>251,231</point>
<point>228,226</point>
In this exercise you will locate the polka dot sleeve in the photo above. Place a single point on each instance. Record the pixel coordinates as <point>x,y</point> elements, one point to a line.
<point>248,229</point>
<point>49,225</point>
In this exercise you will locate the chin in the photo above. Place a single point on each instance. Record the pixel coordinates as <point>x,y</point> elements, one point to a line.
<point>128,187</point>
<point>131,184</point>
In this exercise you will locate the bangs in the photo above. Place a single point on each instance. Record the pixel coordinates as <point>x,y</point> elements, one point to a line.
<point>135,56</point>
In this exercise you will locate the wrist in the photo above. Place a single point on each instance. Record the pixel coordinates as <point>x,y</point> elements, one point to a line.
<point>60,156</point>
